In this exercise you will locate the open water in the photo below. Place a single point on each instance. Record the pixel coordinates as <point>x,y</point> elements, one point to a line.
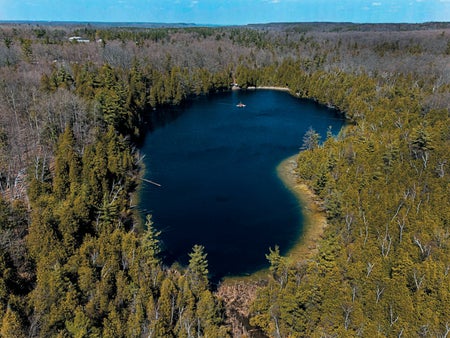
<point>216,164</point>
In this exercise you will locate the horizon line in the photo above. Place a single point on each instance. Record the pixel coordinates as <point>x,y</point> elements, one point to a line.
<point>19,21</point>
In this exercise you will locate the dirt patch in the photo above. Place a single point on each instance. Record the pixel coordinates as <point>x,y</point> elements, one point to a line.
<point>238,296</point>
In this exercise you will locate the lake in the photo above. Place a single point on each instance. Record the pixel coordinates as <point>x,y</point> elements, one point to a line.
<point>216,164</point>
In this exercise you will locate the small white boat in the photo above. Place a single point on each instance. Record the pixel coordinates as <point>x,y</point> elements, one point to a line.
<point>240,105</point>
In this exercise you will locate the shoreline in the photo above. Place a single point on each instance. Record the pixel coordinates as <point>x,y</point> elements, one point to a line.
<point>284,89</point>
<point>314,218</point>
<point>314,221</point>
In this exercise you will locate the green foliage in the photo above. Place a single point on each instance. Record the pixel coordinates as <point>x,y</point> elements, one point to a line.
<point>208,315</point>
<point>27,50</point>
<point>278,265</point>
<point>11,325</point>
<point>150,243</point>
<point>310,140</point>
<point>67,166</point>
<point>198,268</point>
<point>198,264</point>
<point>421,142</point>
<point>59,78</point>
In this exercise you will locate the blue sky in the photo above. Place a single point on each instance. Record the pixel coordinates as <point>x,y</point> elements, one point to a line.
<point>226,12</point>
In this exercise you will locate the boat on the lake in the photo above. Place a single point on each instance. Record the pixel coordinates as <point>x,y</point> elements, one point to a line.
<point>240,105</point>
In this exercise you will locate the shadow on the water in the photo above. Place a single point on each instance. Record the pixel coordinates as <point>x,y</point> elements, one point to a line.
<point>159,117</point>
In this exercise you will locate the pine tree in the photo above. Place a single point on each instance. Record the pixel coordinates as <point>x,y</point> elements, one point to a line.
<point>150,243</point>
<point>310,140</point>
<point>209,319</point>
<point>67,166</point>
<point>11,325</point>
<point>198,269</point>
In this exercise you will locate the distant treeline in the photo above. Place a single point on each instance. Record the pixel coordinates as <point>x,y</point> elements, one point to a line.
<point>75,259</point>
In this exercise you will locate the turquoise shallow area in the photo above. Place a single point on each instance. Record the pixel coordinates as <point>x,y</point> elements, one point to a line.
<point>216,166</point>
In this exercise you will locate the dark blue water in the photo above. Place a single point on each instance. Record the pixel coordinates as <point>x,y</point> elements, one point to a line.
<point>216,164</point>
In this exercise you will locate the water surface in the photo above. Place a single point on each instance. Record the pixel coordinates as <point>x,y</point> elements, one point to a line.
<point>216,164</point>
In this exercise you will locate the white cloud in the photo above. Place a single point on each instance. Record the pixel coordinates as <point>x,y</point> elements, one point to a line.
<point>376,3</point>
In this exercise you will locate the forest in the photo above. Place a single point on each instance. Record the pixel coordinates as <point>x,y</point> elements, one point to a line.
<point>77,260</point>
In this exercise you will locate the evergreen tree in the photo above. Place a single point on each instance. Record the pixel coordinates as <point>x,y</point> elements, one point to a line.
<point>310,140</point>
<point>150,243</point>
<point>198,269</point>
<point>11,325</point>
<point>67,166</point>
